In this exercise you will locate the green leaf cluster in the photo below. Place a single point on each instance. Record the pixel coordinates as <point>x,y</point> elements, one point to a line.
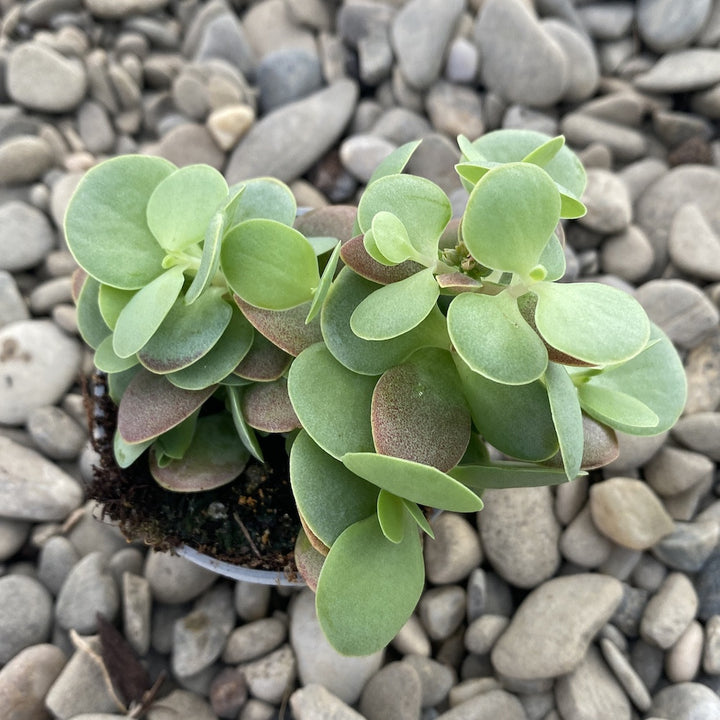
<point>394,355</point>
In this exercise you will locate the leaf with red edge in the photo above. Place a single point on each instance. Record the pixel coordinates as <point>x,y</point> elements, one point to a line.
<point>264,362</point>
<point>215,457</point>
<point>308,560</point>
<point>355,256</point>
<point>267,407</point>
<point>285,328</point>
<point>419,412</point>
<point>151,405</point>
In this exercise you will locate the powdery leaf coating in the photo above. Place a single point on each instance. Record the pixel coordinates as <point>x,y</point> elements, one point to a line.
<point>629,513</point>
<point>355,255</point>
<point>286,329</point>
<point>419,412</point>
<point>335,221</point>
<point>267,407</point>
<point>151,405</point>
<point>214,458</point>
<point>368,586</point>
<point>308,560</point>
<point>264,361</point>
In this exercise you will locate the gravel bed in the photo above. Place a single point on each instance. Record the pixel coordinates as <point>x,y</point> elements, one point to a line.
<point>598,600</point>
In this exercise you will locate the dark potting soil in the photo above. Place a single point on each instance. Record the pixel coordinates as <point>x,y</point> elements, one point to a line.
<point>251,521</point>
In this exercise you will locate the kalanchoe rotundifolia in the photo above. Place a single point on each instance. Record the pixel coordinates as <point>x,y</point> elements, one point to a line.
<point>393,345</point>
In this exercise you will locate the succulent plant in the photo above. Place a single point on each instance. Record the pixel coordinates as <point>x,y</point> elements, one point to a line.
<point>392,359</point>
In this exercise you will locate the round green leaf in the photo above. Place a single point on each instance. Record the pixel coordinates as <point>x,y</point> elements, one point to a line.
<point>504,474</point>
<point>371,357</point>
<point>214,458</point>
<point>180,207</point>
<point>514,145</point>
<point>420,483</point>
<point>264,197</point>
<point>125,453</point>
<point>391,238</point>
<point>106,360</point>
<point>322,390</point>
<point>368,586</point>
<point>593,322</point>
<point>552,259</point>
<point>419,412</point>
<point>515,419</point>
<point>391,515</point>
<point>105,222</point>
<point>567,417</point>
<point>355,255</point>
<point>269,265</point>
<point>91,325</point>
<point>222,358</point>
<point>655,377</point>
<point>395,162</point>
<point>420,205</point>
<point>142,316</point>
<point>111,302</point>
<point>510,215</point>
<point>187,333</point>
<point>397,308</point>
<point>329,497</point>
<point>493,339</point>
<point>209,260</point>
<point>614,407</point>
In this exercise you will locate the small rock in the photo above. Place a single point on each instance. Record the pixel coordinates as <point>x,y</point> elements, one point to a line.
<point>253,640</point>
<point>26,236</point>
<point>455,110</point>
<point>626,144</point>
<point>436,679</point>
<point>200,636</point>
<point>707,584</point>
<point>27,615</point>
<point>681,71</point>
<point>607,21</point>
<point>224,38</point>
<point>591,691</point>
<point>609,208</point>
<point>482,633</point>
<point>679,308</point>
<point>286,143</point>
<point>181,704</point>
<point>319,662</point>
<point>520,534</point>
<point>686,701</point>
<point>665,26</point>
<point>441,610</point>
<point>118,9</point>
<point>682,661</point>
<point>582,544</point>
<point>228,692</point>
<point>13,534</point>
<point>32,488</point>
<point>361,154</point>
<point>286,76</point>
<point>270,27</point>
<point>91,533</point>
<point>693,245</point>
<point>87,591</point>
<point>251,600</point>
<point>315,702</point>
<point>673,470</point>
<point>191,143</point>
<point>462,61</point>
<point>270,678</point>
<point>629,513</point>
<point>711,652</point>
<point>228,124</point>
<point>26,679</point>
<point>549,634</point>
<point>454,552</point>
<point>57,558</point>
<point>394,691</point>
<point>55,433</point>
<point>12,305</point>
<point>488,593</point>
<point>626,675</point>
<point>628,254</point>
<point>487,705</point>
<point>700,432</point>
<point>137,612</point>
<point>689,546</point>
<point>670,611</point>
<point>95,128</point>
<point>582,62</point>
<point>420,34</point>
<point>537,76</point>
<point>702,368</point>
<point>39,78</point>
<point>176,580</point>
